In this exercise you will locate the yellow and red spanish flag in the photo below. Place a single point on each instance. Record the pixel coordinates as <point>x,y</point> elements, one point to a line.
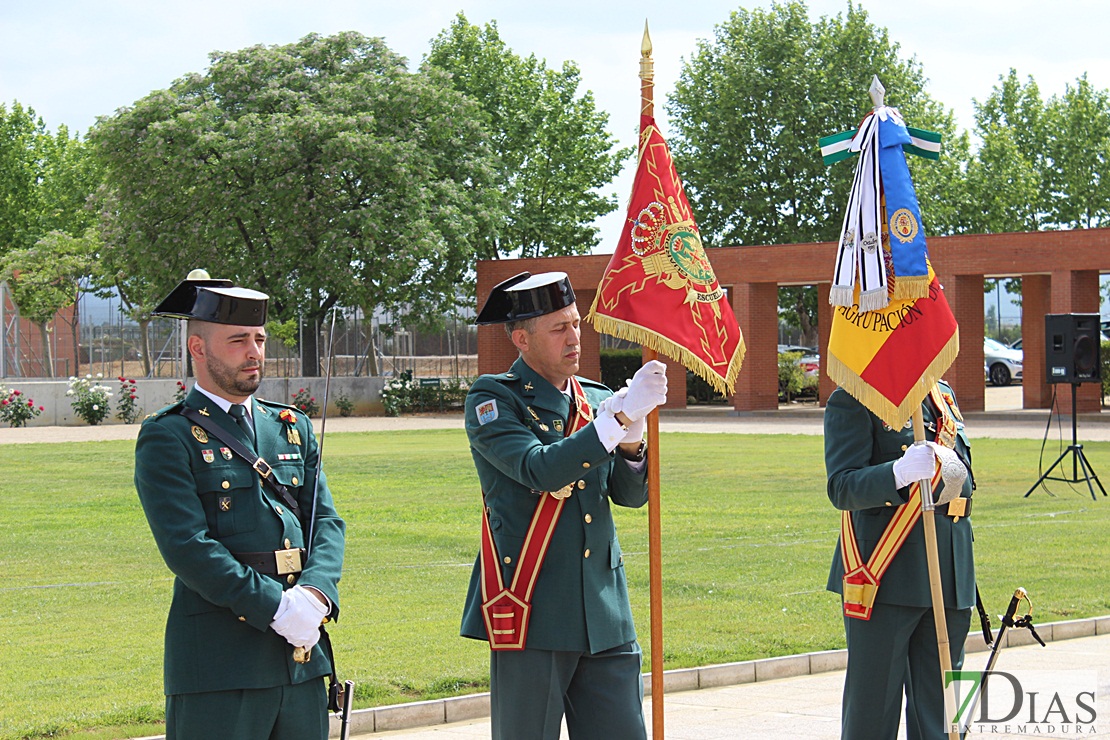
<point>659,289</point>
<point>893,334</point>
<point>890,358</point>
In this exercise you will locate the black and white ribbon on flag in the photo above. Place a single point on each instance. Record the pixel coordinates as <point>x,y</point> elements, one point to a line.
<point>860,251</point>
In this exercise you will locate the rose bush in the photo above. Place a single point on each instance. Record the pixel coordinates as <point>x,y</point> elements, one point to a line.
<point>89,398</point>
<point>16,409</point>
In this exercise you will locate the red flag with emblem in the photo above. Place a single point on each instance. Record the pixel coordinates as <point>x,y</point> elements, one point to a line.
<point>659,289</point>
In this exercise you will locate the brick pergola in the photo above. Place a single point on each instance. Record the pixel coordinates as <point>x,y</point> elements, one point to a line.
<point>1059,272</point>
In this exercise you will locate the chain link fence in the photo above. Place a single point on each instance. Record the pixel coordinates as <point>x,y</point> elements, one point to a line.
<point>106,342</point>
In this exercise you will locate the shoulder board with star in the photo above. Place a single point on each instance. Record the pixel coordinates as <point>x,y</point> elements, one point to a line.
<point>171,409</point>
<point>506,378</point>
<point>275,404</point>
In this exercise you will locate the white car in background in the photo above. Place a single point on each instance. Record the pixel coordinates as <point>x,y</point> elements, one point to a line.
<point>1003,364</point>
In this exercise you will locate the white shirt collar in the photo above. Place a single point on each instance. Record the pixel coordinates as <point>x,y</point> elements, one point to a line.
<point>225,404</point>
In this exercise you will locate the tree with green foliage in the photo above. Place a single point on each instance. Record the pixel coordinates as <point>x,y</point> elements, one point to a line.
<point>1004,184</point>
<point>1077,178</point>
<point>750,106</point>
<point>554,152</point>
<point>20,134</point>
<point>1041,164</point>
<point>322,172</point>
<point>1006,177</point>
<point>44,279</point>
<point>45,180</point>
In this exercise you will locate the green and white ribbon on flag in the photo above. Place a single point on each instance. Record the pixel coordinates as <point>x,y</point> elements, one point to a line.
<point>860,276</point>
<point>923,143</point>
<point>838,147</point>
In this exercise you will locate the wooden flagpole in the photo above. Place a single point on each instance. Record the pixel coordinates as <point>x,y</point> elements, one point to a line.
<point>929,521</point>
<point>655,530</point>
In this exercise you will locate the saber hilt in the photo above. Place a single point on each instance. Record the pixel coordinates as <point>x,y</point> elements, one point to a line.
<point>1011,610</point>
<point>1026,620</point>
<point>1008,621</point>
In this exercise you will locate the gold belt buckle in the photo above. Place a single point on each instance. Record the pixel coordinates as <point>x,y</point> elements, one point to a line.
<point>288,561</point>
<point>563,492</point>
<point>957,508</point>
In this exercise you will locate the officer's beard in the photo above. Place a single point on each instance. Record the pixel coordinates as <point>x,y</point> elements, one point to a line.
<point>228,378</point>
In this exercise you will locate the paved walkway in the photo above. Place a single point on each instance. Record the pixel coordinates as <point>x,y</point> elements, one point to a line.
<point>1003,418</point>
<point>808,705</point>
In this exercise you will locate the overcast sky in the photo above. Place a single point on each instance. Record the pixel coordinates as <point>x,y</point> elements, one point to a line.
<point>74,60</point>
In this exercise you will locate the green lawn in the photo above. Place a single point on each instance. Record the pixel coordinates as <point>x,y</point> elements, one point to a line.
<point>747,530</point>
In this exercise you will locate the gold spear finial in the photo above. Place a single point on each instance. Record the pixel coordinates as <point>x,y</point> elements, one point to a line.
<point>647,66</point>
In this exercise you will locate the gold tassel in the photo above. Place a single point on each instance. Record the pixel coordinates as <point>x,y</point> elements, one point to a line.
<point>911,287</point>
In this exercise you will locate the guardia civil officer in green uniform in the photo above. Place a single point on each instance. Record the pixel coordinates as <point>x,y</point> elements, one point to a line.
<point>553,451</point>
<point>244,597</point>
<point>870,468</point>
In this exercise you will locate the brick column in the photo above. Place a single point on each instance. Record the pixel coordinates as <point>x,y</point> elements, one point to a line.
<point>1076,291</point>
<point>1036,291</point>
<point>756,308</point>
<point>589,360</point>
<point>825,385</point>
<point>965,296</point>
<point>496,352</point>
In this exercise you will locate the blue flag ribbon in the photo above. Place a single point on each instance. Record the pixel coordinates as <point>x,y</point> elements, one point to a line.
<point>907,236</point>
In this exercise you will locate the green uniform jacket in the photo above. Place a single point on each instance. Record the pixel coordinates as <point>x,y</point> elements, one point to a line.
<point>200,510</point>
<point>860,451</point>
<point>581,601</point>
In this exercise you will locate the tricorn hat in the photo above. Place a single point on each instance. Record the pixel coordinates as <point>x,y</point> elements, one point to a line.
<point>526,296</point>
<point>217,301</point>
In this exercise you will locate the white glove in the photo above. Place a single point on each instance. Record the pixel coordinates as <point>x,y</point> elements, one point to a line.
<point>646,390</point>
<point>918,462</point>
<point>299,617</point>
<point>615,403</point>
<point>611,405</point>
<point>635,433</point>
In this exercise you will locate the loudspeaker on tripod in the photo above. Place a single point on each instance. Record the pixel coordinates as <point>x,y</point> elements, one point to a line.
<point>1071,348</point>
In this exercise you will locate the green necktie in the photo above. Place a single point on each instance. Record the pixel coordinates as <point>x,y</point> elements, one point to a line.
<point>239,412</point>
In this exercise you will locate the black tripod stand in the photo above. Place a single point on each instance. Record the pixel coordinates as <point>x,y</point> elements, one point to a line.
<point>1079,460</point>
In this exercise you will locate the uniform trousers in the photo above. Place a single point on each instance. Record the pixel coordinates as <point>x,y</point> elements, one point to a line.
<point>895,653</point>
<point>601,694</point>
<point>297,712</point>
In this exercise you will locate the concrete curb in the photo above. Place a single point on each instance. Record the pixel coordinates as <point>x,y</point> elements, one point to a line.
<point>476,706</point>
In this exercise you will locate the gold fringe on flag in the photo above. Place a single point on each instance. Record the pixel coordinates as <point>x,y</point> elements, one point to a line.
<point>911,287</point>
<point>725,385</point>
<point>880,405</point>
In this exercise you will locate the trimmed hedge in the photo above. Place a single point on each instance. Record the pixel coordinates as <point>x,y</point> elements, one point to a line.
<point>618,365</point>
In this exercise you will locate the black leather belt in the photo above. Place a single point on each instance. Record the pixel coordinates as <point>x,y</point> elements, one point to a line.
<point>953,508</point>
<point>274,562</point>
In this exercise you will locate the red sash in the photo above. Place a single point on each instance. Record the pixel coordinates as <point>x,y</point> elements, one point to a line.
<point>506,610</point>
<point>861,580</point>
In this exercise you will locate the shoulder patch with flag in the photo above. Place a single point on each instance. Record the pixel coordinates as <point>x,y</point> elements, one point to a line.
<point>487,411</point>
